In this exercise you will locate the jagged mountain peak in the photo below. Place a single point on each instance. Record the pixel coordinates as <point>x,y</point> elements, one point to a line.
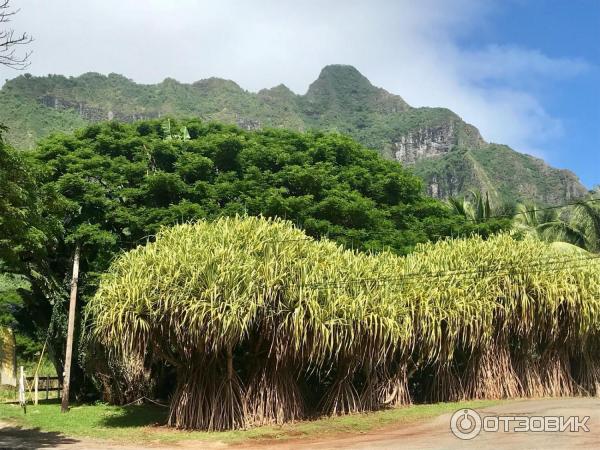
<point>340,79</point>
<point>345,98</point>
<point>216,83</point>
<point>280,90</point>
<point>340,73</point>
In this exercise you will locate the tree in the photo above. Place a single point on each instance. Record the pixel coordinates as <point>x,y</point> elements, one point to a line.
<point>485,219</point>
<point>530,219</point>
<point>120,183</point>
<point>23,231</point>
<point>9,41</point>
<point>27,235</point>
<point>10,299</point>
<point>579,225</point>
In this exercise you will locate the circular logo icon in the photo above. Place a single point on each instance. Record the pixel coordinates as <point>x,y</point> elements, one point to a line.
<point>465,424</point>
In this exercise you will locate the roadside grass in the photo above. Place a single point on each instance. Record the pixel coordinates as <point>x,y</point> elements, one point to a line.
<point>145,423</point>
<point>7,394</point>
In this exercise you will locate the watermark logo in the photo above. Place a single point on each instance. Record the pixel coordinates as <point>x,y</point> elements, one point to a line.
<point>467,424</point>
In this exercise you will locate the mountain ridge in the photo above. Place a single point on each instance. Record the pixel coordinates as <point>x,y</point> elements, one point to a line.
<point>449,154</point>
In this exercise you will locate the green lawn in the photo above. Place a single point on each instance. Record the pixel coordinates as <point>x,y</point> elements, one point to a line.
<point>146,423</point>
<point>8,394</point>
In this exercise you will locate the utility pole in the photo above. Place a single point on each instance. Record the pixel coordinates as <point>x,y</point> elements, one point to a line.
<point>70,331</point>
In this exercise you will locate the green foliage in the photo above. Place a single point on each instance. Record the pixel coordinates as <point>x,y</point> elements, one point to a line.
<point>119,183</point>
<point>183,134</point>
<point>10,298</point>
<point>340,100</point>
<point>455,174</point>
<point>532,174</point>
<point>28,352</point>
<point>24,232</point>
<point>478,209</point>
<point>578,224</point>
<point>28,121</point>
<point>29,232</point>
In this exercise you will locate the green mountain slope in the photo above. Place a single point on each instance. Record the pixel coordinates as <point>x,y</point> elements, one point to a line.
<point>448,153</point>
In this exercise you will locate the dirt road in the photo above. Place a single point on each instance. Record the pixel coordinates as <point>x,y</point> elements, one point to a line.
<point>431,434</point>
<point>436,434</point>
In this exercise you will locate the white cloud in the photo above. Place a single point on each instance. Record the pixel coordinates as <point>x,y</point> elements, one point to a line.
<point>410,48</point>
<point>517,65</point>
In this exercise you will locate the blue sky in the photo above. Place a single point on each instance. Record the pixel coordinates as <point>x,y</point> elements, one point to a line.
<point>559,29</point>
<point>525,72</point>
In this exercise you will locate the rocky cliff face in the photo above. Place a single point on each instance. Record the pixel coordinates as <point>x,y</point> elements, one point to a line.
<point>424,143</point>
<point>449,154</point>
<point>501,172</point>
<point>435,139</point>
<point>93,114</point>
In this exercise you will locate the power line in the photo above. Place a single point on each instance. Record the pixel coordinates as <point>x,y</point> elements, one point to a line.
<point>546,265</point>
<point>443,273</point>
<point>507,216</point>
<point>498,216</point>
<point>388,282</point>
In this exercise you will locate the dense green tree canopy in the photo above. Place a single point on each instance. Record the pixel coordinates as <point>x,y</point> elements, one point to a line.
<point>29,229</point>
<point>123,182</point>
<point>23,228</point>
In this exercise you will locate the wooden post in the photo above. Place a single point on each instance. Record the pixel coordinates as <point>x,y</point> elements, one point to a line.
<point>64,407</point>
<point>35,389</point>
<point>22,388</point>
<point>47,387</point>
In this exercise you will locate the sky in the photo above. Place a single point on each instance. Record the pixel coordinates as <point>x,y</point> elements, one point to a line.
<point>525,72</point>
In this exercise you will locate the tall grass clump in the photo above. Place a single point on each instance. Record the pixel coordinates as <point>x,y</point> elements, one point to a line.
<point>265,325</point>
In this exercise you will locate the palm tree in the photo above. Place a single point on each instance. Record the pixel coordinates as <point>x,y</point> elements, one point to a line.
<point>531,220</point>
<point>580,225</point>
<point>182,135</point>
<point>479,208</point>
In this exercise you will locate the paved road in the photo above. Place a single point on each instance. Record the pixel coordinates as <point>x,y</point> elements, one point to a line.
<point>430,434</point>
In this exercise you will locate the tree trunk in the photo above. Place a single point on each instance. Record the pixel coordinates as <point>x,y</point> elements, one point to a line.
<point>70,332</point>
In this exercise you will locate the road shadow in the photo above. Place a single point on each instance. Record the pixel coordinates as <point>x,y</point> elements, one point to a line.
<point>18,437</point>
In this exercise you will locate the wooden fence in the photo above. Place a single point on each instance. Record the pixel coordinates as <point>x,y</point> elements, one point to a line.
<point>41,384</point>
<point>37,388</point>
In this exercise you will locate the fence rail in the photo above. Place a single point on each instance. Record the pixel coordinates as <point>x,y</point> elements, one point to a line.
<point>48,384</point>
<point>43,383</point>
<point>31,389</point>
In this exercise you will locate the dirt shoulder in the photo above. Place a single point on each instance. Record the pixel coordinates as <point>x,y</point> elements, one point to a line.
<point>435,433</point>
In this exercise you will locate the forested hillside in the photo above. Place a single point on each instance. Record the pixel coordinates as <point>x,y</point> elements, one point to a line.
<point>449,154</point>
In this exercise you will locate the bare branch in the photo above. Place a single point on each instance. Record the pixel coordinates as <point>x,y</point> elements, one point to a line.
<point>8,40</point>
